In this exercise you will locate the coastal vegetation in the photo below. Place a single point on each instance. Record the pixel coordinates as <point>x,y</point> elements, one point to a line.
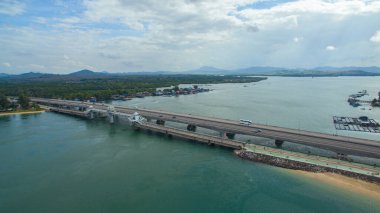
<point>17,105</point>
<point>4,102</point>
<point>102,87</point>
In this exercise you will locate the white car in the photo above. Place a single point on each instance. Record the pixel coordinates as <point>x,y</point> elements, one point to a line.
<point>245,122</point>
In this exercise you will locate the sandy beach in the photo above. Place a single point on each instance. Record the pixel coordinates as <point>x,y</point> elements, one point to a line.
<point>351,184</point>
<point>21,113</point>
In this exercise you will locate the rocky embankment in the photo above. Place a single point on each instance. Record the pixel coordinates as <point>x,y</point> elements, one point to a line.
<point>291,164</point>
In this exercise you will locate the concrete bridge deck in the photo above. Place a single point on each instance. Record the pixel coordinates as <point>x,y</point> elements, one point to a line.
<point>339,144</point>
<point>192,136</point>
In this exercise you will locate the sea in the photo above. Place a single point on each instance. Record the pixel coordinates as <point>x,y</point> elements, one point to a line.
<point>58,163</point>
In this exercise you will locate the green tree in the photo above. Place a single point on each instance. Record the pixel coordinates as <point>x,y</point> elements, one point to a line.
<point>4,102</point>
<point>104,87</point>
<point>36,106</point>
<point>23,100</point>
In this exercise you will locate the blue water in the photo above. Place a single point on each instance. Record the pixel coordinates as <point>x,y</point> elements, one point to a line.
<point>57,163</point>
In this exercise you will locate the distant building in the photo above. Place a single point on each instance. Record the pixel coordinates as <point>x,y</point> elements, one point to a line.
<point>93,100</point>
<point>158,93</point>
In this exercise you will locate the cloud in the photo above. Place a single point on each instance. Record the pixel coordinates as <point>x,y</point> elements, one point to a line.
<point>7,64</point>
<point>110,56</point>
<point>11,7</point>
<point>340,7</point>
<point>40,20</point>
<point>297,39</point>
<point>36,67</point>
<point>171,22</point>
<point>330,48</point>
<point>138,35</point>
<point>376,37</point>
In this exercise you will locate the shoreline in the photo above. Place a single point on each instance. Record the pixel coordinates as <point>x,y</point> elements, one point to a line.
<point>362,184</point>
<point>303,166</point>
<point>21,113</point>
<point>365,188</point>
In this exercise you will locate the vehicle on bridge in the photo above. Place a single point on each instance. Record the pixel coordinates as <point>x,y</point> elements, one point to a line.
<point>136,118</point>
<point>245,122</point>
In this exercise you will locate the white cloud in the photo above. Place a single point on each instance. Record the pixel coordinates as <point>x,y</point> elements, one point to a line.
<point>297,39</point>
<point>136,35</point>
<point>7,64</point>
<point>171,21</point>
<point>376,37</point>
<point>11,7</point>
<point>330,48</point>
<point>41,20</point>
<point>71,20</point>
<point>340,7</point>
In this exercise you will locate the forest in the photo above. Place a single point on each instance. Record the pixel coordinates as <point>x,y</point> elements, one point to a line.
<point>103,87</point>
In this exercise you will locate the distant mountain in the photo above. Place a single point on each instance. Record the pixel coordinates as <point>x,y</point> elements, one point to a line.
<point>321,71</point>
<point>257,70</point>
<point>31,75</point>
<point>3,75</point>
<point>365,69</point>
<point>316,73</point>
<point>206,70</point>
<point>87,73</point>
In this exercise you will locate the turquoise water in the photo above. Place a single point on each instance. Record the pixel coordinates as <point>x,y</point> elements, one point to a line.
<point>57,163</point>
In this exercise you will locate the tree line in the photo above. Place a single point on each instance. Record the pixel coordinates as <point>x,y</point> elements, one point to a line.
<point>103,88</point>
<point>23,102</point>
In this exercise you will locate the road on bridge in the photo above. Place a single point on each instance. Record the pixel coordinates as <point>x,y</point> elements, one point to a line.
<point>339,144</point>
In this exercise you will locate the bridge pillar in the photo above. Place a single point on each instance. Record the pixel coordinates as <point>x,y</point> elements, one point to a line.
<point>227,135</point>
<point>342,156</point>
<point>223,134</point>
<point>230,135</point>
<point>111,118</point>
<point>160,122</point>
<point>92,116</point>
<point>278,142</point>
<point>191,127</point>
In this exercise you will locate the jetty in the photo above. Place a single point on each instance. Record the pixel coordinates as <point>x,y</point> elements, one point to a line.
<point>311,163</point>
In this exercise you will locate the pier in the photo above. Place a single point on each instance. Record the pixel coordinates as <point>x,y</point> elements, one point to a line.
<point>155,121</point>
<point>356,124</point>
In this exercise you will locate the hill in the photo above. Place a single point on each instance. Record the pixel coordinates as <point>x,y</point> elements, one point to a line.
<point>341,69</point>
<point>206,70</point>
<point>87,73</point>
<point>278,71</point>
<point>3,75</point>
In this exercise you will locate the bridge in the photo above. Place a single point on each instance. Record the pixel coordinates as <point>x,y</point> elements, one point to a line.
<point>228,128</point>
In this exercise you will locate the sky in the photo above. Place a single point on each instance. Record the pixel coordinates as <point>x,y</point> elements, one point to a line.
<point>62,36</point>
